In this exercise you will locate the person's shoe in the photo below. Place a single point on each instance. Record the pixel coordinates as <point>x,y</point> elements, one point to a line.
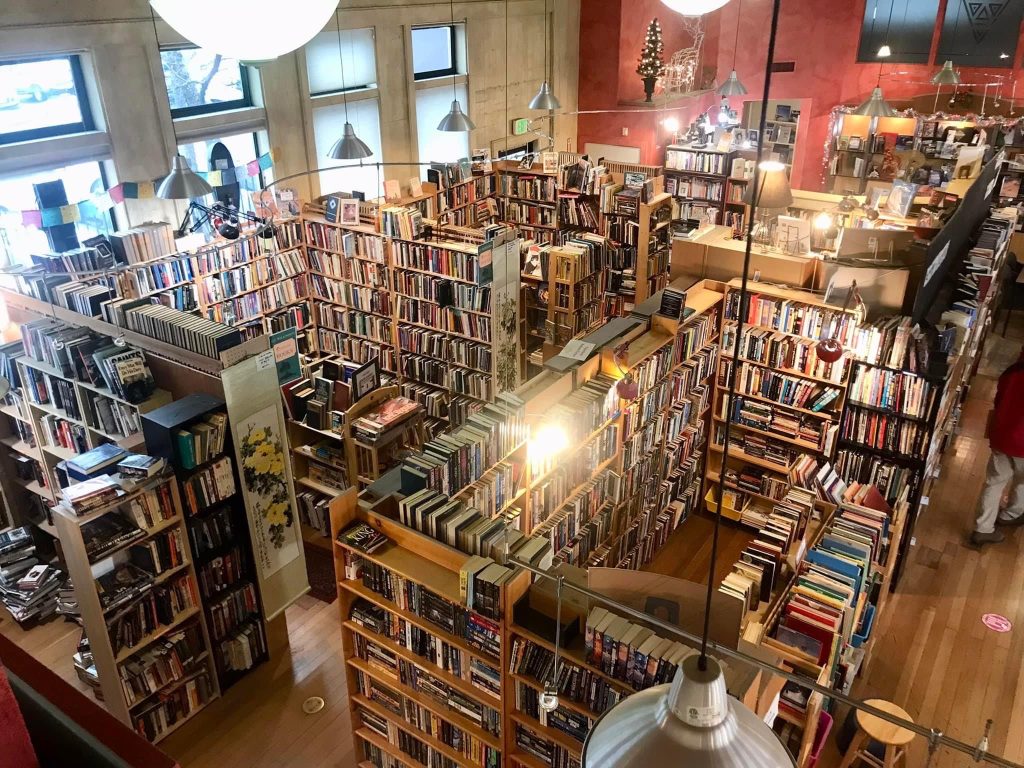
<point>1010,522</point>
<point>979,539</point>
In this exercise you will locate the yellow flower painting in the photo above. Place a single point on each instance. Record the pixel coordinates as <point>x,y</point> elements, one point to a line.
<point>263,467</point>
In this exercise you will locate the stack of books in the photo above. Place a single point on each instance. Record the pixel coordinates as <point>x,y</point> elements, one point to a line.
<point>91,494</point>
<point>28,588</point>
<point>386,422</point>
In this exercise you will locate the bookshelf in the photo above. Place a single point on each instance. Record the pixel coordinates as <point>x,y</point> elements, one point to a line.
<point>788,402</point>
<point>69,413</point>
<point>393,681</point>
<point>217,528</point>
<point>154,707</point>
<point>699,182</point>
<point>576,292</point>
<point>528,198</point>
<point>782,127</point>
<point>466,202</point>
<point>370,451</point>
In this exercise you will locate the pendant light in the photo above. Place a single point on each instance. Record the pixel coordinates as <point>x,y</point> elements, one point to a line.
<point>545,98</point>
<point>693,722</point>
<point>456,121</point>
<point>876,106</point>
<point>182,183</point>
<point>694,7</point>
<point>947,75</point>
<point>349,146</point>
<point>259,30</point>
<point>732,86</point>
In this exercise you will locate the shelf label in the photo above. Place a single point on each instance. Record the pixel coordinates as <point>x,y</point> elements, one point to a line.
<point>265,360</point>
<point>577,349</point>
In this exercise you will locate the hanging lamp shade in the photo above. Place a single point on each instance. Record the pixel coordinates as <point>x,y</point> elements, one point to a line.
<point>456,120</point>
<point>182,183</point>
<point>691,722</point>
<point>875,106</point>
<point>260,31</point>
<point>694,7</point>
<point>349,146</point>
<point>732,86</point>
<point>947,75</point>
<point>545,98</point>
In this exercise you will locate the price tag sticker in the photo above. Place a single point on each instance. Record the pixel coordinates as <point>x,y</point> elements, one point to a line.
<point>265,360</point>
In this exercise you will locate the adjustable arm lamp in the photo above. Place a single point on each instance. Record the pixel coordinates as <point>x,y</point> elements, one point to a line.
<point>225,219</point>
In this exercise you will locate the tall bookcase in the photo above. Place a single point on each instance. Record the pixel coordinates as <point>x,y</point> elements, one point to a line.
<point>697,179</point>
<point>528,199</point>
<point>465,203</point>
<point>576,293</point>
<point>161,708</point>
<point>788,402</point>
<point>352,290</point>
<point>217,532</point>
<point>414,654</point>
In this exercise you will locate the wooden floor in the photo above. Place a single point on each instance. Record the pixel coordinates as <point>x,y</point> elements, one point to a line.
<point>936,659</point>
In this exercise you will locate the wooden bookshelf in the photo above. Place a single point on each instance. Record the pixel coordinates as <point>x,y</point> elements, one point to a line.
<point>576,294</point>
<point>111,661</point>
<point>760,370</point>
<point>216,531</point>
<point>368,461</point>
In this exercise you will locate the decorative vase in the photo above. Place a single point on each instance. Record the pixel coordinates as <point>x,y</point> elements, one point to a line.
<point>649,87</point>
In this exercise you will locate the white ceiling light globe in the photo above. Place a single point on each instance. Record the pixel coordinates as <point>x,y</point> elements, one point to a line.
<point>694,7</point>
<point>258,30</point>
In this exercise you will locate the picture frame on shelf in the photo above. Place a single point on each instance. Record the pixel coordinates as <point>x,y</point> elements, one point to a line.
<point>785,134</point>
<point>843,143</point>
<point>754,136</point>
<point>878,144</point>
<point>901,197</point>
<point>526,163</point>
<point>365,379</point>
<point>784,112</point>
<point>349,212</point>
<point>550,161</point>
<point>856,143</point>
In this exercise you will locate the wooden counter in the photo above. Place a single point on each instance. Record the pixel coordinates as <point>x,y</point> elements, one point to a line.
<point>717,256</point>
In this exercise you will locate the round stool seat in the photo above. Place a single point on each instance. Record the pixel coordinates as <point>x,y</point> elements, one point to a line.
<point>882,730</point>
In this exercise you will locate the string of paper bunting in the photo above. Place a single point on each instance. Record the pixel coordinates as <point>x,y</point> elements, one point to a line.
<point>128,190</point>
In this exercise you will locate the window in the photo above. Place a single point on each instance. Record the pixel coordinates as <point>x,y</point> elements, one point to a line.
<point>41,98</point>
<point>434,52</point>
<point>199,82</point>
<point>519,152</point>
<point>324,69</point>
<point>220,153</point>
<point>347,175</point>
<point>81,181</point>
<point>432,104</point>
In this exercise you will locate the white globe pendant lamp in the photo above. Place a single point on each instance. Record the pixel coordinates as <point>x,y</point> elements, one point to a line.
<point>253,32</point>
<point>694,7</point>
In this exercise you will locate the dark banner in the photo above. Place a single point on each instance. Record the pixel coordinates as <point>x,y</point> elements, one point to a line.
<point>980,34</point>
<point>906,26</point>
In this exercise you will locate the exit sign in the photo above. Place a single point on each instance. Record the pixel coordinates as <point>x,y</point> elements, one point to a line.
<point>520,126</point>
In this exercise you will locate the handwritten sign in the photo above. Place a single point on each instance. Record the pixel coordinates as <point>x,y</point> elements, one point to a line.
<point>578,349</point>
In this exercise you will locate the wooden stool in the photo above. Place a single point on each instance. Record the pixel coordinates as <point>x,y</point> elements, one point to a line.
<point>893,738</point>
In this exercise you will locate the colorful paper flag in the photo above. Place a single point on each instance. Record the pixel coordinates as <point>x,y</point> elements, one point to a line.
<point>116,193</point>
<point>31,218</point>
<point>146,190</point>
<point>51,217</point>
<point>130,190</point>
<point>265,161</point>
<point>214,178</point>
<point>253,168</point>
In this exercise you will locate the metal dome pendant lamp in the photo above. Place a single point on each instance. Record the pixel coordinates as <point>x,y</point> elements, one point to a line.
<point>732,86</point>
<point>692,722</point>
<point>545,98</point>
<point>349,146</point>
<point>456,121</point>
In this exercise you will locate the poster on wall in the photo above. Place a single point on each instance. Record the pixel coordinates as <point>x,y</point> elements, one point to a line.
<point>261,454</point>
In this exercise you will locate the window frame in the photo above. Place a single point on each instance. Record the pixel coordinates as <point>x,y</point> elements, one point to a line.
<point>86,125</point>
<point>246,102</point>
<point>435,73</point>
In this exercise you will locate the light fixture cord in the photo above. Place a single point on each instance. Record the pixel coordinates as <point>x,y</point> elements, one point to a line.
<point>341,60</point>
<point>553,681</point>
<point>703,660</point>
<point>451,8</point>
<point>736,44</point>
<point>888,24</point>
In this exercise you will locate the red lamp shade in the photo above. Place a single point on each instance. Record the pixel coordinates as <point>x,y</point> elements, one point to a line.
<point>829,350</point>
<point>627,388</point>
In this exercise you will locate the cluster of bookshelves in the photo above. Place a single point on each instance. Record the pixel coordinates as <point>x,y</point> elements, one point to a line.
<point>789,403</point>
<point>707,184</point>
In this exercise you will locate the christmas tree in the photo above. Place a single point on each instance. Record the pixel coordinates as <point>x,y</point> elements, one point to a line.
<point>651,65</point>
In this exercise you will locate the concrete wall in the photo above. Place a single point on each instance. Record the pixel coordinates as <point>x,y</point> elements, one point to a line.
<point>118,40</point>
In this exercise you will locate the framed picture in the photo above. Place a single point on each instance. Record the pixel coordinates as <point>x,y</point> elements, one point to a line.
<point>634,179</point>
<point>365,379</point>
<point>786,135</point>
<point>527,162</point>
<point>878,144</point>
<point>783,112</point>
<point>550,160</point>
<point>856,143</point>
<point>843,143</point>
<point>753,136</point>
<point>349,212</point>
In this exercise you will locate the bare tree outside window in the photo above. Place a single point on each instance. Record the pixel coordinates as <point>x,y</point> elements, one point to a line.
<point>200,81</point>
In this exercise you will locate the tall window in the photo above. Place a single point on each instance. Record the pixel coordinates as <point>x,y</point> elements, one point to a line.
<point>17,193</point>
<point>43,97</point>
<point>222,152</point>
<point>434,52</point>
<point>328,93</point>
<point>200,81</point>
<point>432,104</point>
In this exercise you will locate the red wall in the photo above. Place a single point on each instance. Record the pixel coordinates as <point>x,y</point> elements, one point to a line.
<point>820,36</point>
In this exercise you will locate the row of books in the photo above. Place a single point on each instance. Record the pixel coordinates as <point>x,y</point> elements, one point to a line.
<point>767,418</point>
<point>542,188</point>
<point>355,349</point>
<point>222,572</point>
<point>779,350</point>
<point>549,752</point>
<point>401,222</point>
<point>443,292</point>
<point>901,393</point>
<point>358,271</point>
<point>111,417</point>
<point>209,486</point>
<point>680,159</point>
<point>230,611</point>
<point>243,648</point>
<point>343,293</point>
<point>166,663</point>
<point>455,260</point>
<point>526,213</point>
<point>753,379</point>
<point>792,316</point>
<point>196,334</point>
<point>257,303</point>
<point>346,242</point>
<point>160,606</point>
<point>452,319</point>
<point>894,481</point>
<point>355,323</point>
<point>261,273</point>
<point>451,462</point>
<point>884,432</point>
<point>893,342</point>
<point>201,441</point>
